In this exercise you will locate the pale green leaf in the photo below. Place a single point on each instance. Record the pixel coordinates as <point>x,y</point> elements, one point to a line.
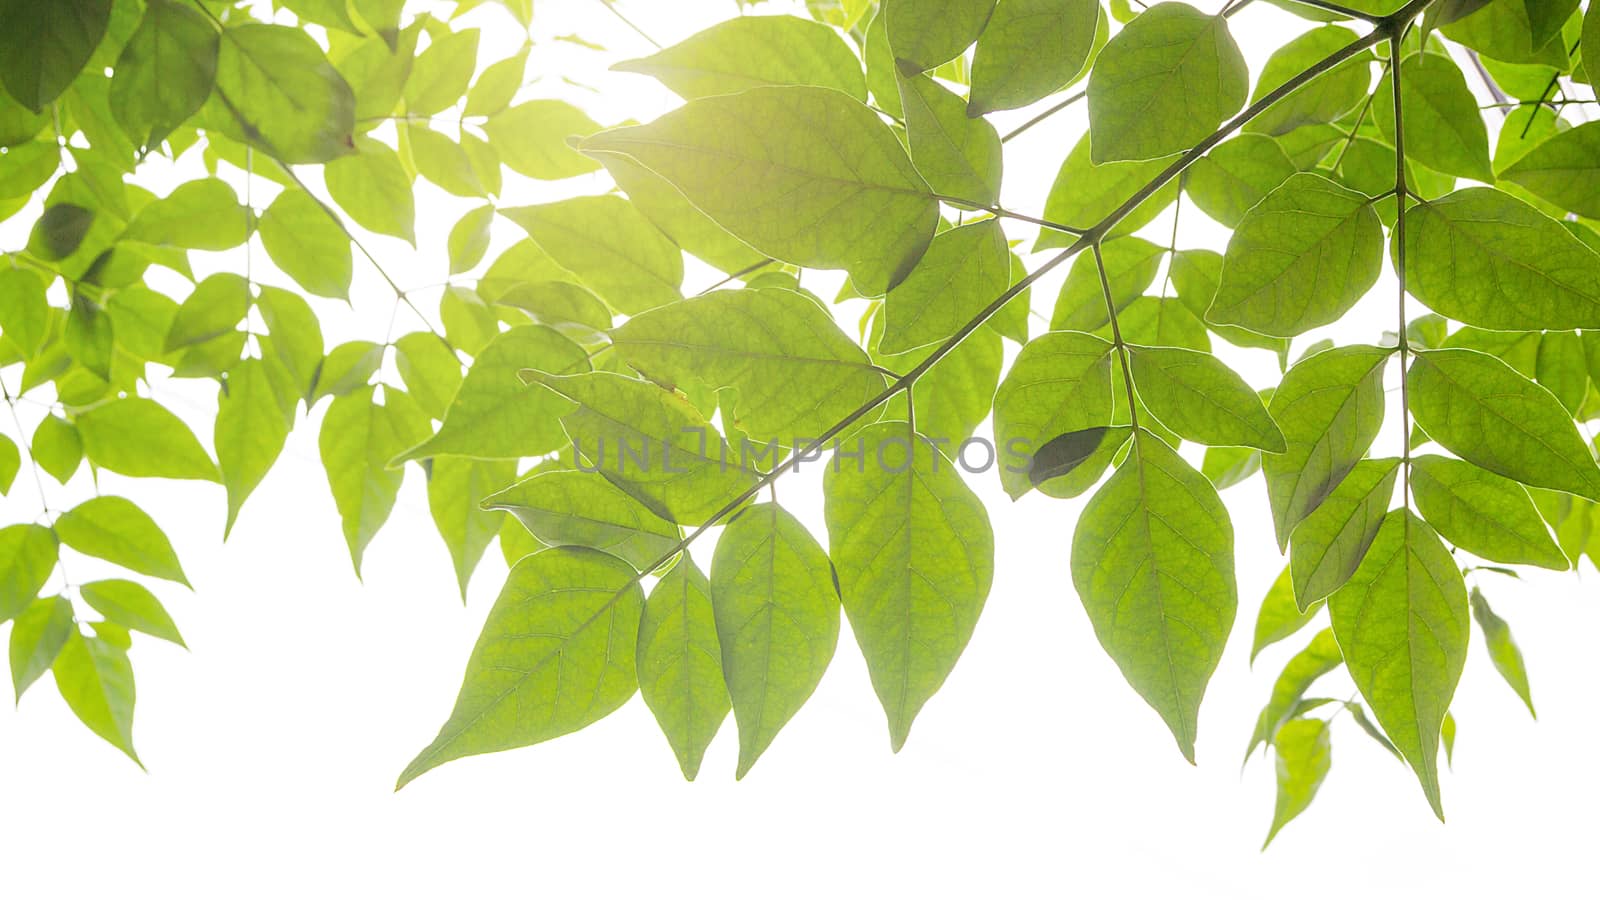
<point>441,73</point>
<point>37,636</point>
<point>1085,192</point>
<point>679,661</point>
<point>964,270</point>
<point>1482,513</point>
<point>498,85</point>
<point>532,138</point>
<point>959,156</point>
<point>251,428</point>
<point>116,530</point>
<point>56,447</point>
<point>304,240</point>
<point>357,441</point>
<point>1327,97</point>
<point>609,246</point>
<point>1280,616</point>
<point>1236,175</point>
<point>28,555</point>
<point>686,225</point>
<point>198,215</point>
<point>139,437</point>
<point>1503,649</point>
<point>1059,384</point>
<point>1319,657</point>
<point>430,369</point>
<point>1029,50</point>
<point>213,309</point>
<point>373,189</point>
<point>469,239</point>
<point>752,51</point>
<point>96,680</point>
<point>924,33</point>
<point>1131,264</point>
<point>456,487</point>
<point>282,95</point>
<point>348,367</point>
<point>132,606</point>
<point>1201,399</point>
<point>295,336</point>
<point>569,507</point>
<point>1304,755</point>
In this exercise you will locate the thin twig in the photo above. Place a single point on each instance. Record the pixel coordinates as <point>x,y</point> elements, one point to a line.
<point>1044,115</point>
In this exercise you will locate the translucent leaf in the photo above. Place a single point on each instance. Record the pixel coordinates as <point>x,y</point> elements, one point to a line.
<point>1164,83</point>
<point>430,369</point>
<point>1131,264</point>
<point>44,45</point>
<point>964,270</point>
<point>568,507</point>
<point>1329,544</point>
<point>357,441</point>
<point>96,680</point>
<point>303,239</point>
<point>119,532</point>
<point>28,555</point>
<point>441,73</point>
<point>498,85</point>
<point>569,308</point>
<point>295,337</point>
<point>555,655</point>
<point>610,246</point>
<point>1319,657</point>
<point>1280,617</point>
<point>1201,399</point>
<point>282,95</point>
<point>140,437</point>
<point>1060,383</point>
<point>959,156</point>
<point>24,311</point>
<point>685,224</point>
<point>924,33</point>
<point>455,488</point>
<point>1236,175</point>
<point>1443,127</point>
<point>372,187</point>
<point>165,73</point>
<point>1564,169</point>
<point>214,308</point>
<point>1304,755</point>
<point>251,428</point>
<point>1327,97</point>
<point>60,231</point>
<point>56,448</point>
<point>348,367</point>
<point>679,661</point>
<point>1482,513</point>
<point>10,462</point>
<point>532,138</point>
<point>132,606</point>
<point>469,239</point>
<point>752,51</point>
<point>37,636</point>
<point>777,617</point>
<point>954,396</point>
<point>1030,49</point>
<point>1085,192</point>
<point>1503,649</point>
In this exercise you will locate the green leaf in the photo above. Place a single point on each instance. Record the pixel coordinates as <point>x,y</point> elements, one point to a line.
<point>660,447</point>
<point>1401,622</point>
<point>494,414</point>
<point>1164,83</point>
<point>1503,649</point>
<point>117,531</point>
<point>1329,407</point>
<point>1329,544</point>
<point>430,369</point>
<point>569,308</point>
<point>1591,30</point>
<point>1483,513</point>
<point>1304,755</point>
<point>216,306</point>
<point>753,51</point>
<point>1152,561</point>
<point>1029,50</point>
<point>1201,399</point>
<point>455,488</point>
<point>964,270</point>
<point>556,654</point>
<point>469,239</point>
<point>57,448</point>
<point>441,73</point>
<point>1505,32</point>
<point>1562,369</point>
<point>295,339</point>
<point>60,231</point>
<point>959,156</point>
<point>1299,259</point>
<point>132,606</point>
<point>688,227</point>
<point>1131,264</point>
<point>1480,409</point>
<point>569,507</point>
<point>304,240</point>
<point>1443,127</point>
<point>140,437</point>
<point>1483,257</point>
<point>348,367</point>
<point>1059,384</point>
<point>1085,192</point>
<point>282,94</point>
<point>1236,175</point>
<point>954,396</point>
<point>44,45</point>
<point>1325,98</point>
<point>469,323</point>
<point>372,187</point>
<point>441,161</point>
<point>96,680</point>
<point>498,85</point>
<point>1319,657</point>
<point>914,554</point>
<point>28,555</point>
<point>24,310</point>
<point>36,638</point>
<point>251,428</point>
<point>1564,169</point>
<point>795,372</point>
<point>532,139</point>
<point>610,246</point>
<point>165,72</point>
<point>924,33</point>
<point>357,441</point>
<point>10,462</point>
<point>1225,467</point>
<point>777,616</point>
<point>1280,616</point>
<point>679,660</point>
<point>88,337</point>
<point>823,182</point>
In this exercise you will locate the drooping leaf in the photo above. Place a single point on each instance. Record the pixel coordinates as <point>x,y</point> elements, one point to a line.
<point>679,661</point>
<point>777,618</point>
<point>37,636</point>
<point>28,555</point>
<point>1029,50</point>
<point>1059,384</point>
<point>347,367</point>
<point>139,437</point>
<point>372,187</point>
<point>752,51</point>
<point>282,95</point>
<point>1503,649</point>
<point>305,241</point>
<point>251,428</point>
<point>96,680</point>
<point>295,337</point>
<point>1201,399</point>
<point>569,507</point>
<point>1304,755</point>
<point>456,487</point>
<point>10,462</point>
<point>441,73</point>
<point>116,530</point>
<point>1280,616</point>
<point>430,369</point>
<point>165,72</point>
<point>358,439</point>
<point>1328,545</point>
<point>556,654</point>
<point>959,156</point>
<point>1317,659</point>
<point>1482,513</point>
<point>132,606</point>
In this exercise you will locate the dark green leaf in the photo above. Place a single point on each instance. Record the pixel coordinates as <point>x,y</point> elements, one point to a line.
<point>60,231</point>
<point>165,72</point>
<point>44,45</point>
<point>1330,543</point>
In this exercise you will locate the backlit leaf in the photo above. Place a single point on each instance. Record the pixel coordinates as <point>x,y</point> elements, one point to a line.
<point>1503,649</point>
<point>1482,513</point>
<point>1304,755</point>
<point>96,680</point>
<point>132,606</point>
<point>358,439</point>
<point>1280,617</point>
<point>1330,543</point>
<point>119,532</point>
<point>924,33</point>
<point>610,246</point>
<point>37,636</point>
<point>751,51</point>
<point>679,661</point>
<point>1060,383</point>
<point>165,72</point>
<point>1029,50</point>
<point>139,437</point>
<point>569,507</point>
<point>456,488</point>
<point>28,555</point>
<point>1201,399</point>
<point>303,239</point>
<point>282,95</point>
<point>1443,129</point>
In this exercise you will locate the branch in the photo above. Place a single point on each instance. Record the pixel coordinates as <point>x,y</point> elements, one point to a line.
<point>1044,115</point>
<point>1116,339</point>
<point>1400,192</point>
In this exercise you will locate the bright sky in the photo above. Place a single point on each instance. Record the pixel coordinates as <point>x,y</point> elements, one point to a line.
<point>273,744</point>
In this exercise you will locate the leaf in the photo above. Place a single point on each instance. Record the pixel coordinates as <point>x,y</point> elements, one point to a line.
<point>442,161</point>
<point>1503,649</point>
<point>1059,384</point>
<point>57,448</point>
<point>680,220</point>
<point>1561,368</point>
<point>373,189</point>
<point>959,156</point>
<point>795,372</point>
<point>964,270</point>
<point>295,339</point>
<point>1401,622</point>
<point>1152,561</point>
<point>357,441</point>
<point>441,73</point>
<point>568,308</point>
<point>1564,169</point>
<point>1325,98</point>
<point>610,246</point>
<point>165,72</point>
<point>532,139</point>
<point>132,606</point>
<point>96,680</point>
<point>1225,467</point>
<point>1485,258</point>
<point>1085,192</point>
<point>119,532</point>
<point>1483,513</point>
<point>44,45</point>
<point>1029,50</point>
<point>914,554</point>
<point>569,507</point>
<point>1319,657</point>
<point>1304,755</point>
<point>1280,616</point>
<point>36,638</point>
<point>1480,409</point>
<point>139,437</point>
<point>1201,399</point>
<point>1130,263</point>
<point>1163,84</point>
<point>430,369</point>
<point>217,305</point>
<point>283,95</point>
<point>1236,175</point>
<point>661,448</point>
<point>924,33</point>
<point>777,617</point>
<point>1591,30</point>
<point>494,414</point>
<point>679,661</point>
<point>1329,544</point>
<point>1299,259</point>
<point>955,395</point>
<point>555,655</point>
<point>469,239</point>
<point>455,488</point>
<point>251,429</point>
<point>348,367</point>
<point>498,85</point>
<point>60,231</point>
<point>24,310</point>
<point>753,51</point>
<point>10,462</point>
<point>820,181</point>
<point>305,241</point>
<point>1443,127</point>
<point>1329,407</point>
<point>28,555</point>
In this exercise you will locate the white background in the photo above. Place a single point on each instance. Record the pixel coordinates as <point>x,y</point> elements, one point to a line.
<point>273,744</point>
